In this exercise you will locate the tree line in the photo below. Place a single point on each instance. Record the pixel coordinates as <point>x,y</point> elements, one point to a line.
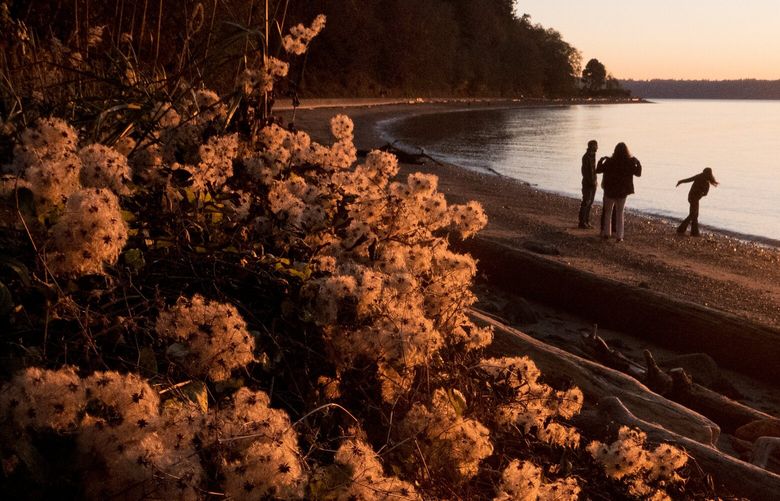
<point>705,89</point>
<point>369,48</point>
<point>436,47</point>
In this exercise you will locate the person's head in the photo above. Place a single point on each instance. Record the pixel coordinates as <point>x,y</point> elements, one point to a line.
<point>593,145</point>
<point>709,176</point>
<point>621,152</point>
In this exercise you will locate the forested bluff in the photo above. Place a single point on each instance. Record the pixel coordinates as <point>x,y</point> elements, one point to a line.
<point>371,48</point>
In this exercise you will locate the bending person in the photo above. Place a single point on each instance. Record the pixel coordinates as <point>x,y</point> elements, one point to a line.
<point>618,182</point>
<point>699,189</point>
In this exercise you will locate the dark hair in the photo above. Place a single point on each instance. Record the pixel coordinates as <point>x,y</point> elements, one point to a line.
<point>621,152</point>
<point>593,143</point>
<point>710,177</point>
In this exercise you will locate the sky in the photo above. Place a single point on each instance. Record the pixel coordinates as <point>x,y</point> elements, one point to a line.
<point>685,39</point>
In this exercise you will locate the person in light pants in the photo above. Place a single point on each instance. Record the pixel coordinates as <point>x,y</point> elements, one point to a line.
<point>618,182</point>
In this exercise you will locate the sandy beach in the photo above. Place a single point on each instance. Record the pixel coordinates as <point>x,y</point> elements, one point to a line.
<point>719,273</point>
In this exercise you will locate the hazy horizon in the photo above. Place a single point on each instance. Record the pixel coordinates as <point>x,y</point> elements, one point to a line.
<point>692,40</point>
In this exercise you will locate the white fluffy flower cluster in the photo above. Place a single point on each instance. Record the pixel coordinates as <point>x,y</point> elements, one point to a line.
<point>468,219</point>
<point>522,481</point>
<point>104,167</point>
<point>398,294</point>
<point>47,157</point>
<point>300,36</point>
<point>255,82</point>
<point>135,456</point>
<point>534,405</point>
<point>451,444</point>
<point>358,475</point>
<point>122,442</point>
<point>129,449</point>
<point>256,448</point>
<point>216,162</point>
<point>40,399</point>
<point>214,337</point>
<point>89,234</point>
<point>206,106</point>
<point>626,458</point>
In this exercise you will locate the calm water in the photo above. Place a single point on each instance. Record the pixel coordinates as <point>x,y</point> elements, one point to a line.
<point>673,139</point>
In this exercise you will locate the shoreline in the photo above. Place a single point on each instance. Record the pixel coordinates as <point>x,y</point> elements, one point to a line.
<point>373,113</point>
<point>738,274</point>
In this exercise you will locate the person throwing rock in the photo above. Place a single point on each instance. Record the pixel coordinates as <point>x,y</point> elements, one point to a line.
<point>618,182</point>
<point>699,189</point>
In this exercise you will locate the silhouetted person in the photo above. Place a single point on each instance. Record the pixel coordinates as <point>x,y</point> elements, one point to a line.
<point>589,183</point>
<point>618,182</point>
<point>699,189</point>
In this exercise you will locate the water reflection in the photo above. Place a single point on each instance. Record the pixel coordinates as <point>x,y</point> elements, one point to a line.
<point>543,145</point>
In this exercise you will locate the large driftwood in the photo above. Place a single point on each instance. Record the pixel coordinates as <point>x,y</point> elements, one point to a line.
<point>597,381</point>
<point>739,477</point>
<point>727,413</point>
<point>734,342</point>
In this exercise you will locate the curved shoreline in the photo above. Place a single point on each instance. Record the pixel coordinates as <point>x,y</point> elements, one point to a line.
<point>719,270</point>
<point>384,130</point>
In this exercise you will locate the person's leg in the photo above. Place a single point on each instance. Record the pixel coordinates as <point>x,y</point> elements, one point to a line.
<point>684,224</point>
<point>588,195</point>
<point>694,218</point>
<point>620,204</point>
<point>585,206</point>
<point>606,228</point>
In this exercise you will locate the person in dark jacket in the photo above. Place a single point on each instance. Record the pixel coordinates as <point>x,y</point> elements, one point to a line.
<point>589,183</point>
<point>700,188</point>
<point>618,182</point>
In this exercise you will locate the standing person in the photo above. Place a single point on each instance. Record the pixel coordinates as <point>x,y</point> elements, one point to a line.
<point>699,189</point>
<point>618,182</point>
<point>589,183</point>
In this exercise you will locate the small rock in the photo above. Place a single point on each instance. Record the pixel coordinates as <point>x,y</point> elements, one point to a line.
<point>519,311</point>
<point>700,366</point>
<point>542,248</point>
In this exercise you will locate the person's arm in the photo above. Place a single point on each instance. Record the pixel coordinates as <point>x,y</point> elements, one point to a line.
<point>689,180</point>
<point>600,165</point>
<point>637,168</point>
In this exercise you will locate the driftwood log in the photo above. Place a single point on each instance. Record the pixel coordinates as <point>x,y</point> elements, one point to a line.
<point>677,385</point>
<point>597,381</point>
<point>739,477</point>
<point>727,413</point>
<point>734,342</point>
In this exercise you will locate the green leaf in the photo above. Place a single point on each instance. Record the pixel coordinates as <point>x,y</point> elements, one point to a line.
<point>189,193</point>
<point>128,216</point>
<point>197,392</point>
<point>457,400</point>
<point>177,350</point>
<point>134,259</point>
<point>231,384</point>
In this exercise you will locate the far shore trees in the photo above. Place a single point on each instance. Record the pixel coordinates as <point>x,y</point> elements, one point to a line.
<point>597,82</point>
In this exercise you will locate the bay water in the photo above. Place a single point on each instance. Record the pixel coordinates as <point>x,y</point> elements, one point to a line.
<point>673,139</point>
